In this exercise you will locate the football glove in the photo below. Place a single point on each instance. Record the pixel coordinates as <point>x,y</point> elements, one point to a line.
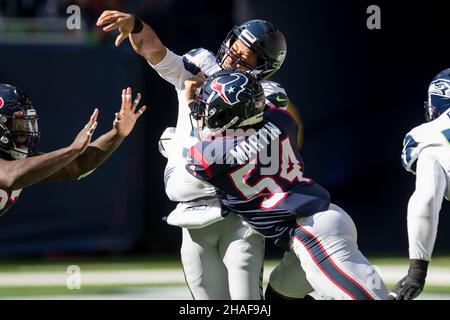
<point>412,284</point>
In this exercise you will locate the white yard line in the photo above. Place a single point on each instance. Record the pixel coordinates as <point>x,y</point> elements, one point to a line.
<point>437,276</point>
<point>92,278</point>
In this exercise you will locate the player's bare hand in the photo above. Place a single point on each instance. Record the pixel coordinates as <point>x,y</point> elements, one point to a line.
<point>129,113</point>
<point>124,22</point>
<point>192,85</point>
<point>83,138</point>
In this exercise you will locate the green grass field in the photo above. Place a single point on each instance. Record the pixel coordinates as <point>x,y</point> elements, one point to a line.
<point>30,270</point>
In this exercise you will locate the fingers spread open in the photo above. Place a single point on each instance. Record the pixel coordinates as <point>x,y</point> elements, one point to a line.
<point>136,102</point>
<point>141,111</point>
<point>128,97</point>
<point>124,93</point>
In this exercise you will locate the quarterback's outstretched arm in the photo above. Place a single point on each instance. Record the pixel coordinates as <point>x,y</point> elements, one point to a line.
<point>146,43</point>
<point>17,174</point>
<point>142,37</point>
<point>101,149</point>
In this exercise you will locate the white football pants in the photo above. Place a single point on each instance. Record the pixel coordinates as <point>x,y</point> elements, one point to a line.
<point>223,261</point>
<point>328,261</point>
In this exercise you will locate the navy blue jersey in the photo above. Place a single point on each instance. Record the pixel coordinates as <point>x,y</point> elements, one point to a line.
<point>258,174</point>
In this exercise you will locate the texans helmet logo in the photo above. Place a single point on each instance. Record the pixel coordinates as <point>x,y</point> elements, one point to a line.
<point>2,103</point>
<point>228,87</point>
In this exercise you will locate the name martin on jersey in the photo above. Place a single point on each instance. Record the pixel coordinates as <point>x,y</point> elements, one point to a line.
<point>256,143</point>
<point>246,146</point>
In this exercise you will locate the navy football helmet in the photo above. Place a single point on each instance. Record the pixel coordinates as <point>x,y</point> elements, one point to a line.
<point>438,95</point>
<point>229,99</point>
<point>19,134</point>
<point>262,38</point>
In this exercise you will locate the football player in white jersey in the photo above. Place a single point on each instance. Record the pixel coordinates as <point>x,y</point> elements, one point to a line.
<point>426,153</point>
<point>222,257</point>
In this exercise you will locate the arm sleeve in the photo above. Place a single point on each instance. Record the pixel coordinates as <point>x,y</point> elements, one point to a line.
<point>172,69</point>
<point>425,204</point>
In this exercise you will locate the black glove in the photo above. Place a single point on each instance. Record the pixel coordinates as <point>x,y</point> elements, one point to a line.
<point>412,284</point>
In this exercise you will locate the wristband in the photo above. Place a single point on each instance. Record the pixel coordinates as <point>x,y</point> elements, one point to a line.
<point>138,25</point>
<point>418,269</point>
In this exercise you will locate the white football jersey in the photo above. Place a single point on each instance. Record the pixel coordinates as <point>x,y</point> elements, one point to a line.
<point>433,133</point>
<point>426,153</point>
<point>176,69</point>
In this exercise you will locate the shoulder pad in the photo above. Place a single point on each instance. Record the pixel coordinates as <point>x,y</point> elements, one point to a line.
<point>200,59</point>
<point>275,95</point>
<point>277,100</point>
<point>271,87</point>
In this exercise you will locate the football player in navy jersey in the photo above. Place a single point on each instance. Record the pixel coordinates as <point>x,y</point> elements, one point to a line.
<point>222,257</point>
<point>426,154</point>
<point>21,165</point>
<point>248,153</point>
